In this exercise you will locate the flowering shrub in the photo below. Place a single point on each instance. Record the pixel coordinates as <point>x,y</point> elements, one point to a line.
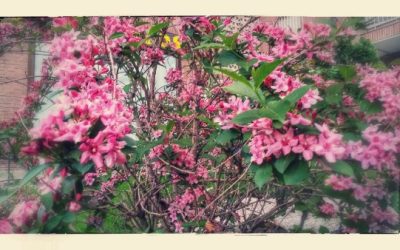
<point>265,113</point>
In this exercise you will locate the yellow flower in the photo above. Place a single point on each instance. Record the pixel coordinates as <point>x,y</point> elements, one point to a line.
<point>167,39</point>
<point>177,42</point>
<point>148,42</point>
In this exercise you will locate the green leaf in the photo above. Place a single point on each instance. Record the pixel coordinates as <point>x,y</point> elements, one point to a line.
<point>54,93</point>
<point>264,70</point>
<point>283,162</point>
<point>350,136</point>
<point>394,201</point>
<point>135,44</point>
<point>235,76</point>
<point>334,94</point>
<point>156,28</point>
<point>80,224</point>
<point>277,124</point>
<point>263,174</point>
<point>346,196</point>
<point>275,111</point>
<point>69,217</point>
<point>323,230</point>
<point>116,35</point>
<point>53,222</point>
<point>228,57</point>
<point>184,142</point>
<point>344,168</point>
<point>127,87</point>
<point>248,116</point>
<point>27,178</point>
<point>347,72</point>
<point>296,95</point>
<point>370,107</point>
<point>68,185</point>
<point>82,168</point>
<point>169,127</point>
<point>209,122</point>
<point>130,141</point>
<point>296,173</point>
<point>278,109</point>
<point>210,46</point>
<point>227,136</point>
<point>230,41</point>
<point>47,200</point>
<point>242,89</point>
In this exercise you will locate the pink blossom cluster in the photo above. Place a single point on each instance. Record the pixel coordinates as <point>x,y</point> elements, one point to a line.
<point>5,227</point>
<point>24,213</point>
<point>339,183</point>
<point>50,182</point>
<point>182,158</point>
<point>173,76</point>
<point>230,109</point>
<point>189,93</point>
<point>287,43</point>
<point>152,55</point>
<point>378,151</point>
<point>85,102</point>
<point>131,33</point>
<point>328,209</point>
<point>109,184</point>
<point>267,142</point>
<point>330,144</point>
<point>7,30</point>
<point>379,219</point>
<point>284,84</point>
<point>383,87</point>
<point>64,21</point>
<point>183,168</point>
<point>181,207</point>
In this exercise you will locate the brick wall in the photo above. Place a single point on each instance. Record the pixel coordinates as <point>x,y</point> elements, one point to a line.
<point>14,69</point>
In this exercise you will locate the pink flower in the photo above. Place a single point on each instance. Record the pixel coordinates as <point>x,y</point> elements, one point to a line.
<point>296,119</point>
<point>183,157</point>
<point>24,212</point>
<point>173,76</point>
<point>227,21</point>
<point>284,142</point>
<point>310,98</point>
<point>89,178</point>
<point>189,92</point>
<point>157,133</point>
<point>329,145</point>
<point>5,227</point>
<point>114,154</point>
<point>228,110</point>
<point>178,227</point>
<point>305,146</point>
<point>317,29</point>
<point>92,149</point>
<point>63,21</point>
<point>49,184</point>
<point>327,209</point>
<point>283,82</point>
<point>388,215</point>
<point>361,193</point>
<point>262,125</point>
<point>74,206</point>
<point>339,183</point>
<point>152,55</point>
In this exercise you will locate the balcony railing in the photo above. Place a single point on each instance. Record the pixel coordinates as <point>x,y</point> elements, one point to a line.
<point>291,22</point>
<point>374,22</point>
